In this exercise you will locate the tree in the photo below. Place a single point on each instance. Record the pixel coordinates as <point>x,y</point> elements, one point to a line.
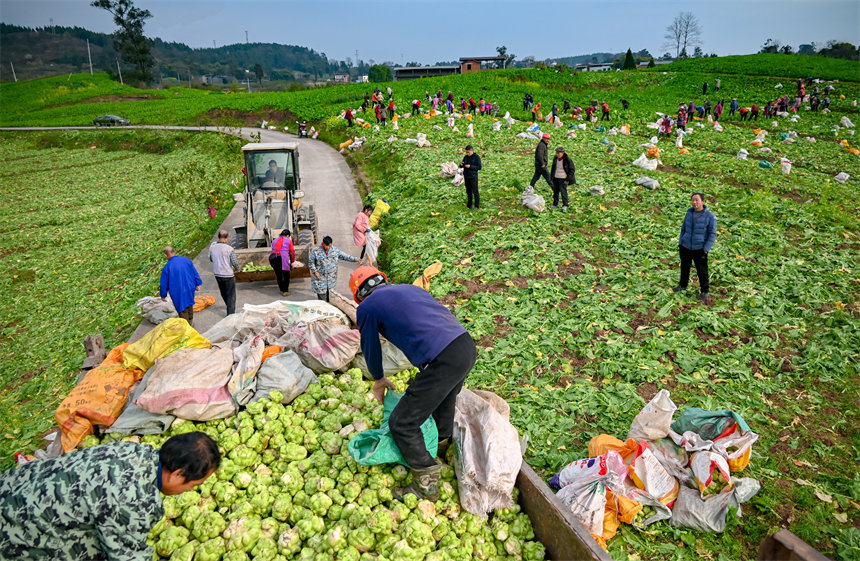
<point>129,41</point>
<point>503,51</point>
<point>684,31</point>
<point>806,49</point>
<point>840,50</point>
<point>629,62</point>
<point>683,54</point>
<point>786,50</point>
<point>651,63</point>
<point>379,73</point>
<point>771,46</point>
<point>698,52</point>
<point>258,70</point>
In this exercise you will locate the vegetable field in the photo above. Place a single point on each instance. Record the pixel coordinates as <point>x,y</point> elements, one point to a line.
<point>83,227</point>
<point>571,310</point>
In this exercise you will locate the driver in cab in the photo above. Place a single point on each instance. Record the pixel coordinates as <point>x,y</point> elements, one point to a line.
<point>274,175</point>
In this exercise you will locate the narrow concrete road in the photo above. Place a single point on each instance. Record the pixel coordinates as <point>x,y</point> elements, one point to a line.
<point>328,185</point>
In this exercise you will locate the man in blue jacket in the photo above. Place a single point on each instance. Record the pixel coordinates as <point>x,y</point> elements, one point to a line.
<point>180,279</point>
<point>431,338</point>
<point>698,234</point>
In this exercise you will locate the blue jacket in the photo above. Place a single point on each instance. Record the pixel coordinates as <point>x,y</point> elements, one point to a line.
<point>179,278</point>
<point>699,230</point>
<point>411,319</point>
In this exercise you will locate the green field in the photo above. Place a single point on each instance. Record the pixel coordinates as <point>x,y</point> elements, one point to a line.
<point>572,312</point>
<point>83,229</point>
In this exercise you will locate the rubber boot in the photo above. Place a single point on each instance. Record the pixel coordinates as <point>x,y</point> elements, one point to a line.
<point>425,484</point>
<point>442,450</point>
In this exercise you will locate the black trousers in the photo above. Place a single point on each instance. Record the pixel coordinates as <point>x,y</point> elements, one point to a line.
<point>700,258</point>
<point>227,288</point>
<point>540,172</point>
<point>559,187</point>
<point>363,250</point>
<point>604,116</point>
<point>282,276</point>
<point>433,392</point>
<point>324,296</point>
<point>472,192</point>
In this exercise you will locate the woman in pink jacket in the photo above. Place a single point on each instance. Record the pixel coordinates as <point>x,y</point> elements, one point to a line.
<point>282,257</point>
<point>360,227</point>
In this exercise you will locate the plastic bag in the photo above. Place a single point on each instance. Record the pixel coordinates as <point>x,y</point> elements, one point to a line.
<point>324,346</point>
<point>588,504</point>
<point>709,514</point>
<point>497,126</point>
<point>596,190</point>
<point>393,360</point>
<point>654,420</point>
<point>376,446</point>
<point>285,373</point>
<point>653,152</point>
<point>648,474</point>
<point>424,280</point>
<point>846,122</point>
<point>842,177</point>
<point>155,310</point>
<point>602,443</point>
<point>487,455</point>
<point>532,200</point>
<point>743,153</point>
<point>764,164</point>
<point>458,178</point>
<point>710,425</point>
<point>248,356</point>
<point>645,163</point>
<point>190,384</point>
<point>718,127</point>
<point>608,468</point>
<point>646,181</point>
<point>98,398</point>
<point>711,472</point>
<point>379,209</point>
<point>470,133</point>
<point>171,335</point>
<point>372,242</point>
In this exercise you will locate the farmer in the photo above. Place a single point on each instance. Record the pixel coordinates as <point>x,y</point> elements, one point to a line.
<point>416,106</point>
<point>360,227</point>
<point>554,111</point>
<point>698,234</point>
<point>392,109</point>
<point>717,85</point>
<point>281,260</point>
<point>753,116</point>
<point>323,266</point>
<point>180,279</point>
<point>224,262</point>
<point>604,108</point>
<point>349,117</point>
<point>744,111</point>
<point>705,88</point>
<point>383,114</point>
<point>98,503</point>
<point>718,110</point>
<point>541,160</point>
<point>707,107</point>
<point>563,173</point>
<point>625,104</point>
<point>733,107</point>
<point>471,164</point>
<point>565,106</point>
<point>430,337</point>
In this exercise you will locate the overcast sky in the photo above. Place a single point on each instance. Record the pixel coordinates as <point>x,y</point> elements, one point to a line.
<point>428,31</point>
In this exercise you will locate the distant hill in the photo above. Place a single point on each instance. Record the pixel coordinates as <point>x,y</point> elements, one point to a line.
<point>599,57</point>
<point>42,52</point>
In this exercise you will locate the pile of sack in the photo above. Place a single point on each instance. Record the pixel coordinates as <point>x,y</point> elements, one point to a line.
<point>679,471</point>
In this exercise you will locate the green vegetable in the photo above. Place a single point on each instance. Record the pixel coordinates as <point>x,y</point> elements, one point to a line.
<point>210,550</point>
<point>170,540</point>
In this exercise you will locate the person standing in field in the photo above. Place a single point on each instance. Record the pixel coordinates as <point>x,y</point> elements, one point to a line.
<point>718,110</point>
<point>360,227</point>
<point>471,165</point>
<point>698,234</point>
<point>733,106</point>
<point>565,106</point>
<point>604,108</point>
<point>224,263</point>
<point>180,279</point>
<point>281,259</point>
<point>383,114</point>
<point>563,173</point>
<point>349,117</point>
<point>717,85</point>
<point>416,106</point>
<point>705,88</point>
<point>541,161</point>
<point>392,109</point>
<point>323,265</point>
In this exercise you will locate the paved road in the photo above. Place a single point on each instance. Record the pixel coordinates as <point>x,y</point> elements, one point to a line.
<point>328,185</point>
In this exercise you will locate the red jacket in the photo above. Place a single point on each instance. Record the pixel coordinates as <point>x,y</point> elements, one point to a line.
<point>278,249</point>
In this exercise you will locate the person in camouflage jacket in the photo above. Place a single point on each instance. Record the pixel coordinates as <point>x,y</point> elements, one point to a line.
<point>100,502</point>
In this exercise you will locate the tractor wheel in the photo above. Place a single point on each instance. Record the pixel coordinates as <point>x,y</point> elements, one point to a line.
<point>306,237</point>
<point>312,217</point>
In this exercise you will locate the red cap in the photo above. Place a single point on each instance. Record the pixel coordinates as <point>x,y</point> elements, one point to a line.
<point>546,135</point>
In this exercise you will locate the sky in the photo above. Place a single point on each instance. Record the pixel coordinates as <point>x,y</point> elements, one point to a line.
<point>426,31</point>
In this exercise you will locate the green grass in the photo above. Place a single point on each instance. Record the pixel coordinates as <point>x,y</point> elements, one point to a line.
<point>83,228</point>
<point>769,64</point>
<point>571,311</point>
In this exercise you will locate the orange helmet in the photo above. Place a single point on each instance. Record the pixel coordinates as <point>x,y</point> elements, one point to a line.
<point>358,278</point>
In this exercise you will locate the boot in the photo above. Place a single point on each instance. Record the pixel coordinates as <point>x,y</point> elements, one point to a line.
<point>425,484</point>
<point>442,449</point>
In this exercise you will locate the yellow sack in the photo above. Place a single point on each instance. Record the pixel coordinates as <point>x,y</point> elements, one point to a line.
<point>603,443</point>
<point>345,144</point>
<point>625,509</point>
<point>424,280</point>
<point>170,335</point>
<point>380,209</point>
<point>653,152</point>
<point>97,400</point>
<point>683,150</point>
<point>203,302</point>
<point>433,112</point>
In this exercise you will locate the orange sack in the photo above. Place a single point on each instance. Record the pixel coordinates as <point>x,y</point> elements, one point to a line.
<point>97,400</point>
<point>271,350</point>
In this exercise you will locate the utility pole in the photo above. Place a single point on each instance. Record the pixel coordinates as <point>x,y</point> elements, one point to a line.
<point>246,36</point>
<point>13,71</point>
<point>118,69</point>
<point>90,56</point>
<point>213,44</point>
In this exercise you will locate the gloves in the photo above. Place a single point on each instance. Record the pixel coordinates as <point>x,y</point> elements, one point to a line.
<point>366,231</point>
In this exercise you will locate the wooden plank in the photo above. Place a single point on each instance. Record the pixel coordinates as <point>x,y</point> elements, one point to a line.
<point>785,546</point>
<point>95,347</point>
<point>564,537</point>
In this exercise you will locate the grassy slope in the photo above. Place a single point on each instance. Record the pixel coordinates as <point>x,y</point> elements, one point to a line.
<point>571,311</point>
<point>784,66</point>
<point>83,226</point>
